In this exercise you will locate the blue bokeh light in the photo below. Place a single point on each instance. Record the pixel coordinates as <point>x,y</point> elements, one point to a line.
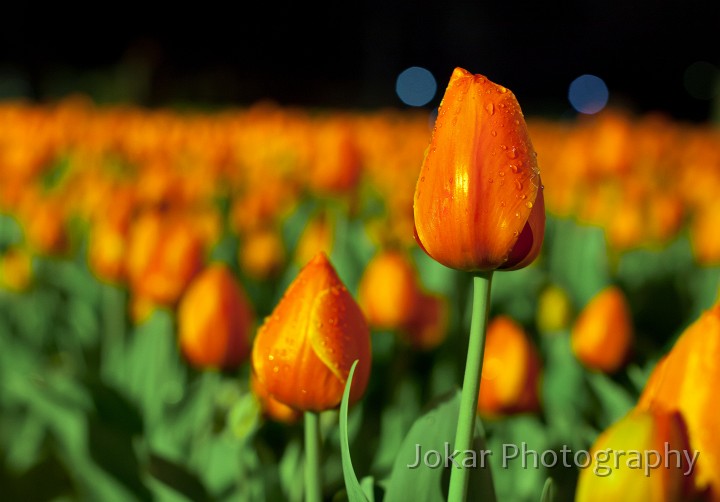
<point>416,86</point>
<point>588,94</point>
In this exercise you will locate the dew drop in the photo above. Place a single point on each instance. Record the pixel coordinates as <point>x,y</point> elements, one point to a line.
<point>517,215</point>
<point>512,153</point>
<point>502,204</point>
<point>501,173</point>
<point>514,168</point>
<point>490,180</point>
<point>490,108</point>
<point>503,147</point>
<point>276,369</point>
<point>502,90</point>
<point>271,357</point>
<point>529,204</point>
<point>515,233</point>
<point>422,178</point>
<point>493,133</point>
<point>518,184</point>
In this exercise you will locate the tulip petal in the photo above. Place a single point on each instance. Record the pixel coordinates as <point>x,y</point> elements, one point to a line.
<point>529,243</point>
<point>339,334</point>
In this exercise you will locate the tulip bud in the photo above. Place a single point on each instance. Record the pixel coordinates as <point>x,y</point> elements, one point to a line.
<point>214,320</point>
<point>685,381</point>
<point>479,202</point>
<point>164,254</point>
<point>644,456</point>
<point>511,371</point>
<point>554,310</point>
<point>389,293</point>
<point>261,254</point>
<point>603,333</point>
<point>427,329</point>
<point>304,351</point>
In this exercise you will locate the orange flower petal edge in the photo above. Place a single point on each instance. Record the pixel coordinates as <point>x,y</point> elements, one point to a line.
<point>303,352</point>
<point>479,183</point>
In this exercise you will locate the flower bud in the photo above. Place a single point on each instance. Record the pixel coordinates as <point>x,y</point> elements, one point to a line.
<point>643,456</point>
<point>164,254</point>
<point>303,353</point>
<point>479,203</point>
<point>511,371</point>
<point>685,381</point>
<point>214,320</point>
<point>389,293</point>
<point>602,335</point>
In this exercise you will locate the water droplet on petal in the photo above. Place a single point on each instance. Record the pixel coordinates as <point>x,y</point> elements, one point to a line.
<point>515,233</point>
<point>518,184</point>
<point>490,180</point>
<point>501,173</point>
<point>514,168</point>
<point>494,133</point>
<point>529,204</point>
<point>271,357</point>
<point>512,153</point>
<point>422,178</point>
<point>490,108</point>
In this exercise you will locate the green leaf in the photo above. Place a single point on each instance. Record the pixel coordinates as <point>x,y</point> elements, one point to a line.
<point>177,477</point>
<point>435,432</point>
<point>548,493</point>
<point>355,492</point>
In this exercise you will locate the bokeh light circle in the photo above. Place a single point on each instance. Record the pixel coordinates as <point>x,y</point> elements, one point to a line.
<point>588,94</point>
<point>415,86</point>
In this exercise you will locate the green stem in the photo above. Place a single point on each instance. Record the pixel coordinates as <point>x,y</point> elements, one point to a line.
<point>313,486</point>
<point>471,384</point>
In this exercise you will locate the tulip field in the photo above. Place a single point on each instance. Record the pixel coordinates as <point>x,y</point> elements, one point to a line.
<point>183,296</point>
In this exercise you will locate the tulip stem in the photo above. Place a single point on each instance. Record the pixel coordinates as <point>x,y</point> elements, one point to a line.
<point>313,485</point>
<point>471,385</point>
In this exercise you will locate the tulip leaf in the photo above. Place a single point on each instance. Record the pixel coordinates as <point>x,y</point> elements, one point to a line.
<point>420,471</point>
<point>548,493</point>
<point>355,491</point>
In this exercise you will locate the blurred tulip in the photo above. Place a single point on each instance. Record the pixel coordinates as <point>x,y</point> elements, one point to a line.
<point>554,309</point>
<point>16,269</point>
<point>164,254</point>
<point>389,293</point>
<point>317,237</point>
<point>428,327</point>
<point>510,380</point>
<point>107,247</point>
<point>303,352</point>
<point>636,459</point>
<point>43,220</point>
<point>704,235</point>
<point>602,336</point>
<point>336,164</point>
<point>479,201</point>
<point>261,254</point>
<point>214,320</point>
<point>271,407</point>
<point>685,381</point>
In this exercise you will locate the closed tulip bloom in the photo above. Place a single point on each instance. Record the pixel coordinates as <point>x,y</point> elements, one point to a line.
<point>628,461</point>
<point>602,336</point>
<point>479,202</point>
<point>164,254</point>
<point>214,320</point>
<point>389,292</point>
<point>303,353</point>
<point>686,381</point>
<point>511,371</point>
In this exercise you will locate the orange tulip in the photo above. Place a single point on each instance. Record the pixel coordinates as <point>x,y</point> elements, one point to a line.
<point>318,236</point>
<point>164,254</point>
<point>262,254</point>
<point>479,201</point>
<point>389,293</point>
<point>602,335</point>
<point>511,371</point>
<point>686,381</point>
<point>214,319</point>
<point>106,251</point>
<point>427,329</point>
<point>629,460</point>
<point>303,352</point>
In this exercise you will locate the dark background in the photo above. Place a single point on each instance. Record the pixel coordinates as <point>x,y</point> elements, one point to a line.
<point>350,54</point>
